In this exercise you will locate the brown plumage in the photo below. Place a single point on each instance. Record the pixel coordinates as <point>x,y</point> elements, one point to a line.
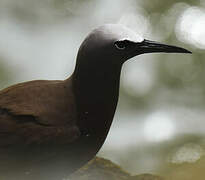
<point>33,118</point>
<point>48,129</point>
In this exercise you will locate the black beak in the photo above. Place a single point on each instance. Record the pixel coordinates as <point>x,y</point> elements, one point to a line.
<point>154,47</point>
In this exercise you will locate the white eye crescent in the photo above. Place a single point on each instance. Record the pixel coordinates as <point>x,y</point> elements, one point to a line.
<point>120,45</point>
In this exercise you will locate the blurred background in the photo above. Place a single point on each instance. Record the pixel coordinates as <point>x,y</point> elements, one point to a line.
<point>159,126</point>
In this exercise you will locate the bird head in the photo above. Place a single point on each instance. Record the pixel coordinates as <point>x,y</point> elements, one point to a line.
<point>114,43</point>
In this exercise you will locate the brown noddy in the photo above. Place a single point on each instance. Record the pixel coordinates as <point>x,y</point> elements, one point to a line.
<point>48,129</point>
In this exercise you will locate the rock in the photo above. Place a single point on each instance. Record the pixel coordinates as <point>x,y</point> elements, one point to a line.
<point>103,169</point>
<point>146,177</point>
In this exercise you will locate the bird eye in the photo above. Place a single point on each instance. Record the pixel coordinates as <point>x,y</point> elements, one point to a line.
<point>120,45</point>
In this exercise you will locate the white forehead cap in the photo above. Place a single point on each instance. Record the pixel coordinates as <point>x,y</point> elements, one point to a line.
<point>120,32</point>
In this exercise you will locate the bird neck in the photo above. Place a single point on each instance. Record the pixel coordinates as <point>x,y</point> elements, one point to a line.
<point>96,90</point>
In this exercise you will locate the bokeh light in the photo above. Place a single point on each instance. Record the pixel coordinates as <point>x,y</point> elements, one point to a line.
<point>158,127</point>
<point>190,26</point>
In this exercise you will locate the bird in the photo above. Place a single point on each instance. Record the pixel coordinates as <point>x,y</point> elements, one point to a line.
<point>51,128</point>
